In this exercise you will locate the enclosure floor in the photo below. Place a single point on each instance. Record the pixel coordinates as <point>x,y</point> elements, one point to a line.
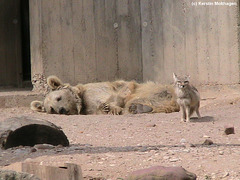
<point>113,146</point>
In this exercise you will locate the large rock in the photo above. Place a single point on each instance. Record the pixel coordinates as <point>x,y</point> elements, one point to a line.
<point>13,175</point>
<point>162,173</point>
<point>26,131</point>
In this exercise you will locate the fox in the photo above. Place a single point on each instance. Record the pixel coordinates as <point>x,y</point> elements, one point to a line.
<point>188,97</point>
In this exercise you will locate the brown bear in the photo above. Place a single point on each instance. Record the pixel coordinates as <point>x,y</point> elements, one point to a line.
<point>118,97</point>
<point>83,99</point>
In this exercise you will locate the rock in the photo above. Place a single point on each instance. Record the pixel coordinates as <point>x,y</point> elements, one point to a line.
<point>9,175</point>
<point>183,141</point>
<point>225,174</point>
<point>162,173</point>
<point>151,125</point>
<point>208,142</point>
<point>188,145</point>
<point>28,131</point>
<point>186,150</point>
<point>174,160</point>
<point>220,152</point>
<point>192,145</point>
<point>228,130</point>
<point>33,150</point>
<point>166,157</point>
<point>206,136</point>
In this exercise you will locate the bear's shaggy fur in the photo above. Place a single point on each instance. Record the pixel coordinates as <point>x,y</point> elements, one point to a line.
<point>151,97</point>
<point>118,97</point>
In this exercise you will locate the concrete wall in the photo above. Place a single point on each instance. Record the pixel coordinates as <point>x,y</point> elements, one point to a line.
<point>86,40</point>
<point>99,40</point>
<point>201,41</point>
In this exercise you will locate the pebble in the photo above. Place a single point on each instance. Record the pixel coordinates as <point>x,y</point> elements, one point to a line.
<point>183,141</point>
<point>186,150</point>
<point>208,142</point>
<point>191,145</point>
<point>174,160</point>
<point>206,136</point>
<point>151,125</point>
<point>226,174</point>
<point>33,149</point>
<point>150,159</point>
<point>221,152</point>
<point>166,157</point>
<point>213,175</point>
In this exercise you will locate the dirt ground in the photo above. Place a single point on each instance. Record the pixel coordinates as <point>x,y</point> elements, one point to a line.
<point>111,147</point>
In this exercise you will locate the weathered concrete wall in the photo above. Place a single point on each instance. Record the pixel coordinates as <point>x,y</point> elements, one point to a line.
<point>201,41</point>
<point>98,40</point>
<point>86,40</point>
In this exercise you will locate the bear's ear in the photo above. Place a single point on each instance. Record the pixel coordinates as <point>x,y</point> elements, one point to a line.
<point>79,89</point>
<point>37,106</point>
<point>54,82</point>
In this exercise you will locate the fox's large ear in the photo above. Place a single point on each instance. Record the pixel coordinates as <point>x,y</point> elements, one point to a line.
<point>54,82</point>
<point>175,77</point>
<point>37,106</point>
<point>187,77</point>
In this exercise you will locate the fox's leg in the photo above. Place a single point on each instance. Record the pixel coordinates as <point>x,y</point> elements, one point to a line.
<point>188,113</point>
<point>197,111</point>
<point>183,111</point>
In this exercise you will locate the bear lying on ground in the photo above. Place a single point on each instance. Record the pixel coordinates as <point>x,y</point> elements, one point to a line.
<point>117,97</point>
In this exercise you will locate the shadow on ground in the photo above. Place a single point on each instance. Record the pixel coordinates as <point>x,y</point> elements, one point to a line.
<point>12,155</point>
<point>203,119</point>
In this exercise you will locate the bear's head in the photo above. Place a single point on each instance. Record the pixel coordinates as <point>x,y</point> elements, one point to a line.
<point>62,99</point>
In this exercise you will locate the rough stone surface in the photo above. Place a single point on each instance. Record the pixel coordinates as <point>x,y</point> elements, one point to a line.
<point>13,175</point>
<point>162,173</point>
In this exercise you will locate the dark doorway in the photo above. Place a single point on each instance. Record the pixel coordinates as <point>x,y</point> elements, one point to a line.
<point>15,66</point>
<point>26,64</point>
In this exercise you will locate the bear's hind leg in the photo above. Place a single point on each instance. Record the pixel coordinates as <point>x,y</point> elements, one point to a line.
<point>135,108</point>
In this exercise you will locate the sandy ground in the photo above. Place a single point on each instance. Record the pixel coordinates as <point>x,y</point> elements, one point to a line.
<point>110,147</point>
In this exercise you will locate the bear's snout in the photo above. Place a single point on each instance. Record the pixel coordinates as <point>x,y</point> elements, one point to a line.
<point>62,110</point>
